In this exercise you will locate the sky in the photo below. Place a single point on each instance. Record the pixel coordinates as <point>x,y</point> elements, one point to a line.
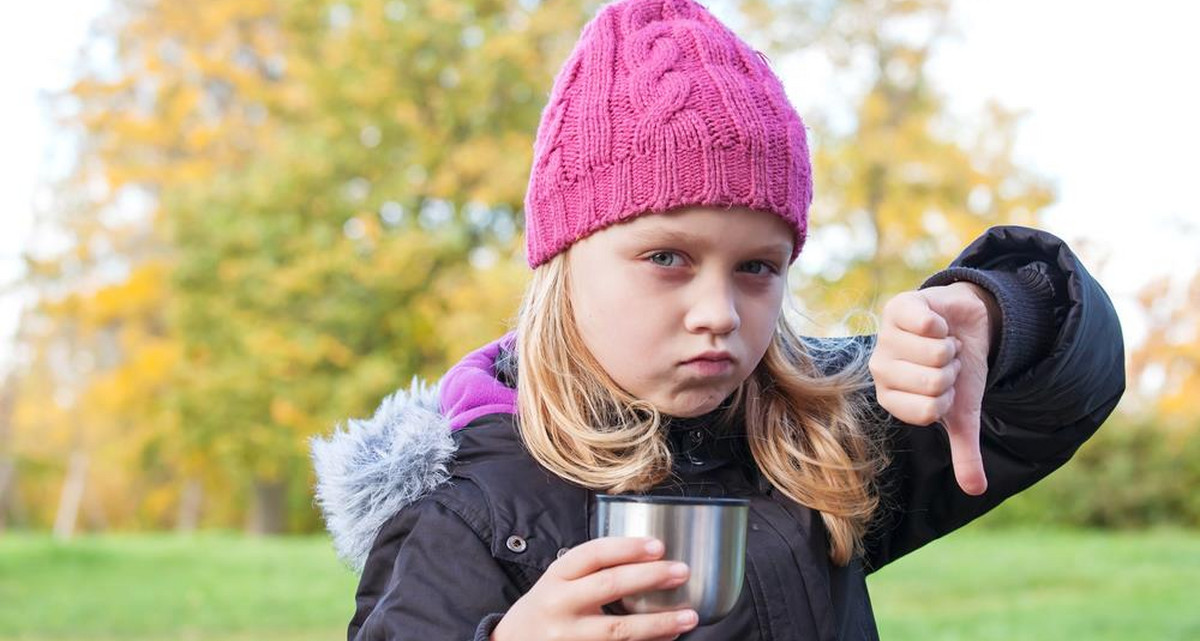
<point>38,52</point>
<point>1110,89</point>
<point>1113,96</point>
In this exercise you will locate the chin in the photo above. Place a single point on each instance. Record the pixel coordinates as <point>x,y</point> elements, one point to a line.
<point>692,406</point>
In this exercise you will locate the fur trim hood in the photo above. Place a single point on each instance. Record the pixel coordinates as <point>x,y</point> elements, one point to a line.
<point>370,469</point>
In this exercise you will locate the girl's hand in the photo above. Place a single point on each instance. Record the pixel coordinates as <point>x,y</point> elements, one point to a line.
<point>566,602</point>
<point>931,362</point>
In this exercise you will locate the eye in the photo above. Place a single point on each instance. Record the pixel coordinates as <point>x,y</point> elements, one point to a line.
<point>766,268</point>
<point>663,259</point>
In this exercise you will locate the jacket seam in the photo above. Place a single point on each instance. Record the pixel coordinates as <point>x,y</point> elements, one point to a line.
<point>482,532</point>
<point>761,613</point>
<point>521,574</point>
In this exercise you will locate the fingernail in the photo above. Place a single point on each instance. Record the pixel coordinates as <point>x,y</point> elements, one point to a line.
<point>678,569</point>
<point>687,617</point>
<point>654,546</point>
<point>957,345</point>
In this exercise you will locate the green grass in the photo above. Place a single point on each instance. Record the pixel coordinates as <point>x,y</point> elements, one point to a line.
<point>988,585</point>
<point>976,584</point>
<point>204,587</point>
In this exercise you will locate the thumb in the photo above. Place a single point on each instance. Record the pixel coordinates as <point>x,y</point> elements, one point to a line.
<point>962,426</point>
<point>965,453</point>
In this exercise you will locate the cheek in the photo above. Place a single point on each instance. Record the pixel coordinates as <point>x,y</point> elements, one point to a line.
<point>595,313</point>
<point>764,315</point>
<point>759,321</point>
<point>621,327</point>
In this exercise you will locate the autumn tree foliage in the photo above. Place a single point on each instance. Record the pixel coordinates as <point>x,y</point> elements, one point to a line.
<point>280,212</point>
<point>1169,357</point>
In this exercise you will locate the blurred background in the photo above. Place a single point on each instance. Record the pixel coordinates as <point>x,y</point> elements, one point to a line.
<point>227,226</point>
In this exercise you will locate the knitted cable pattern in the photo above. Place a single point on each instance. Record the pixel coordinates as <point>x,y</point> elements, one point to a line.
<point>661,106</point>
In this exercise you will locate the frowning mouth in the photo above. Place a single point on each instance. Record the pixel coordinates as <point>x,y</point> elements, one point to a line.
<point>712,356</point>
<point>710,364</point>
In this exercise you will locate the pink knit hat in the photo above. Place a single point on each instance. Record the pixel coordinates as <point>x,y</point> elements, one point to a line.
<point>661,106</point>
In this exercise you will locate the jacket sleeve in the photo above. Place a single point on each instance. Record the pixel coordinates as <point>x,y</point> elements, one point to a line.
<point>431,575</point>
<point>1055,375</point>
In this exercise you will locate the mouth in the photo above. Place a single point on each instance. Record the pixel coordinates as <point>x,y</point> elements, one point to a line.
<point>712,357</point>
<point>715,364</point>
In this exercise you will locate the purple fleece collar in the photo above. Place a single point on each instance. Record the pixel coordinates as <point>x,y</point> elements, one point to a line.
<point>470,389</point>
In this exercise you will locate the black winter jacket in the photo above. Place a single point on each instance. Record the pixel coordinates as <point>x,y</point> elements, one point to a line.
<point>449,529</point>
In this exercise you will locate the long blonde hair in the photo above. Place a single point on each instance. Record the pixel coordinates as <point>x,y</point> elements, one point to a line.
<point>809,436</point>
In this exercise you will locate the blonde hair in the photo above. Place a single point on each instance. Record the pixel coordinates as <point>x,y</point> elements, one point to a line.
<point>806,428</point>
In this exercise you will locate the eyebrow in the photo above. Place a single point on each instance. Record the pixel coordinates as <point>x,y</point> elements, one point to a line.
<point>672,236</point>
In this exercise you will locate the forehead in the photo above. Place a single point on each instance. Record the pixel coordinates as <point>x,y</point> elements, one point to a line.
<point>738,228</point>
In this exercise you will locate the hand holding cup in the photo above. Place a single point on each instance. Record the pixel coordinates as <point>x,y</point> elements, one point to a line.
<point>567,602</point>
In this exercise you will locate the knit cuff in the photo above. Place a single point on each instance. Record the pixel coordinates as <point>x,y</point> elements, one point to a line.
<point>1028,325</point>
<point>487,625</point>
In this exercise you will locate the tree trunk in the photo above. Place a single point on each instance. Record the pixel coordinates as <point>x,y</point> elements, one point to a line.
<point>16,506</point>
<point>97,516</point>
<point>268,510</point>
<point>72,496</point>
<point>189,506</point>
<point>8,464</point>
<point>8,477</point>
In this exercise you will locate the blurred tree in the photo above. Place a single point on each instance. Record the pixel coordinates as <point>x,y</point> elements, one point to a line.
<point>151,112</point>
<point>335,264</point>
<point>1168,358</point>
<point>8,463</point>
<point>904,188</point>
<point>280,212</point>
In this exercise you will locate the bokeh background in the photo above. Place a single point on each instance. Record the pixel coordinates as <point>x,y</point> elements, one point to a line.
<point>227,226</point>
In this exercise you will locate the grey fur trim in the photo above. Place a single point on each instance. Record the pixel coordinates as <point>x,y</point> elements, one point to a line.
<point>375,467</point>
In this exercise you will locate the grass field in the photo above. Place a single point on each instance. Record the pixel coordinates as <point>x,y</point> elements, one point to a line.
<point>987,585</point>
<point>975,584</point>
<point>202,587</point>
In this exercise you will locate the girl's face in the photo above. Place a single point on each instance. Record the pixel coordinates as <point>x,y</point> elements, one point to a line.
<point>654,293</point>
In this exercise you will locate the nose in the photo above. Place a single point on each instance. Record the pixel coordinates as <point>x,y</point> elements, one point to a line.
<point>714,308</point>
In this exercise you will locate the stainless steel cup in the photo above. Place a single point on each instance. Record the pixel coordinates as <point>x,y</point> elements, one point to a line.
<point>708,534</point>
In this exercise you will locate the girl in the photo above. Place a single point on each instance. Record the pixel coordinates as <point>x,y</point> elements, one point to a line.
<point>668,196</point>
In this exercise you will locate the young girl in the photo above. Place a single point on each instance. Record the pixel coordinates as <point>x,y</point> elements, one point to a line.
<point>668,196</point>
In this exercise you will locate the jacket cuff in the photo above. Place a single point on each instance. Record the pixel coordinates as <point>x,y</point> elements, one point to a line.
<point>487,625</point>
<point>1028,325</point>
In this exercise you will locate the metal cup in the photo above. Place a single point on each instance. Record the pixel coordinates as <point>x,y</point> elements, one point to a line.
<point>708,534</point>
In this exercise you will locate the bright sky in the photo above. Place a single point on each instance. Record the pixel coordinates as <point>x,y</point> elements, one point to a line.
<point>1114,102</point>
<point>1111,88</point>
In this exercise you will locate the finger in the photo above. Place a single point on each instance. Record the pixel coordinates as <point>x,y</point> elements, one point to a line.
<point>922,350</point>
<point>640,627</point>
<point>903,376</point>
<point>611,584</point>
<point>968,460</point>
<point>915,409</point>
<point>604,552</point>
<point>913,314</point>
<point>963,427</point>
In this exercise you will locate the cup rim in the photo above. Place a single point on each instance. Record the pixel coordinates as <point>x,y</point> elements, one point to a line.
<point>670,500</point>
